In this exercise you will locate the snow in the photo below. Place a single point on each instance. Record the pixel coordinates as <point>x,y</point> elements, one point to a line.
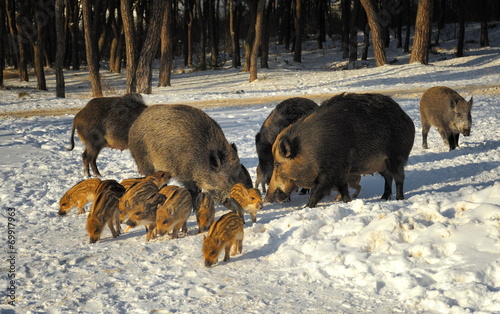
<point>436,251</point>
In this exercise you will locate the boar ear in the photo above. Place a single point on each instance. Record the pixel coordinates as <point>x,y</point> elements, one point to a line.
<point>288,147</point>
<point>470,102</point>
<point>233,145</point>
<point>216,159</point>
<point>453,104</point>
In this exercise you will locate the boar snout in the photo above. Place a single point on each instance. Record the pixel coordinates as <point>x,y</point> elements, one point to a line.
<point>132,224</point>
<point>277,196</point>
<point>466,132</point>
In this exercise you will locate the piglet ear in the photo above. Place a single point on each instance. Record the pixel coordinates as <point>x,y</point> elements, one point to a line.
<point>288,147</point>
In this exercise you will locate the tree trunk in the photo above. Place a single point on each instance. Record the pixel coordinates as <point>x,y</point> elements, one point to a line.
<point>149,48</point>
<point>234,19</point>
<point>73,22</point>
<point>166,47</point>
<point>440,24</point>
<point>249,40</point>
<point>345,6</point>
<point>286,24</point>
<point>377,39</point>
<point>23,40</point>
<point>201,26</point>
<point>91,49</point>
<point>61,46</point>
<point>38,42</point>
<point>2,40</point>
<point>299,27</point>
<point>259,21</point>
<point>353,34</point>
<point>212,33</point>
<point>130,43</point>
<point>264,42</point>
<point>188,33</point>
<point>421,42</point>
<point>321,13</point>
<point>407,9</point>
<point>485,40</point>
<point>461,29</point>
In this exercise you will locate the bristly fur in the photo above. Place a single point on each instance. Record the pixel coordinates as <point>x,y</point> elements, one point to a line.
<point>78,196</point>
<point>224,234</point>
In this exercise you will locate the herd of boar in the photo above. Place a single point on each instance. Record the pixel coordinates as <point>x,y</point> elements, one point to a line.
<point>318,148</point>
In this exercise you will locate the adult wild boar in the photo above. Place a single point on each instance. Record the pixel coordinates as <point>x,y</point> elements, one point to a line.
<point>349,134</point>
<point>284,114</point>
<point>449,112</point>
<point>187,143</point>
<point>105,122</point>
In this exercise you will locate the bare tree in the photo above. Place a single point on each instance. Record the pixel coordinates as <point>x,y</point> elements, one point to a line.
<point>2,40</point>
<point>259,21</point>
<point>485,40</point>
<point>144,71</point>
<point>353,33</point>
<point>130,43</point>
<point>61,45</point>
<point>37,42</point>
<point>461,29</point>
<point>91,48</point>
<point>234,21</point>
<point>22,39</point>
<point>201,26</point>
<point>299,28</point>
<point>166,58</point>
<point>345,6</point>
<point>377,39</point>
<point>421,42</point>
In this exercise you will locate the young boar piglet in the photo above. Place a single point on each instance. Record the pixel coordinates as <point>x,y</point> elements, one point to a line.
<point>78,196</point>
<point>249,200</point>
<point>225,233</point>
<point>205,211</point>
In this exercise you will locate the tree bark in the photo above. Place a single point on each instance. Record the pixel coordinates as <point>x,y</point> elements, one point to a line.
<point>264,42</point>
<point>201,25</point>
<point>166,58</point>
<point>91,49</point>
<point>377,39</point>
<point>149,48</point>
<point>61,46</point>
<point>2,39</point>
<point>353,33</point>
<point>299,27</point>
<point>345,6</point>
<point>234,18</point>
<point>23,40</point>
<point>485,40</point>
<point>461,29</point>
<point>212,33</point>
<point>250,37</point>
<point>130,44</point>
<point>421,42</point>
<point>38,42</point>
<point>73,10</point>
<point>321,13</point>
<point>259,21</point>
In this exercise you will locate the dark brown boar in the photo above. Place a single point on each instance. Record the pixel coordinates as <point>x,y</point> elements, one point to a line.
<point>188,144</point>
<point>349,134</point>
<point>446,110</point>
<point>285,113</point>
<point>105,122</point>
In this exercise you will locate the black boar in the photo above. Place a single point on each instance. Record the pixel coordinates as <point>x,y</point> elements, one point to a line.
<point>285,113</point>
<point>449,112</point>
<point>349,134</point>
<point>105,122</point>
<point>187,143</point>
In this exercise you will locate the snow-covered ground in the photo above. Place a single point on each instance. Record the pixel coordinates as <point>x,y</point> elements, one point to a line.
<point>436,251</point>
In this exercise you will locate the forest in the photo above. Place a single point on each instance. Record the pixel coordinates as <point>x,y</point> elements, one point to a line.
<point>128,35</point>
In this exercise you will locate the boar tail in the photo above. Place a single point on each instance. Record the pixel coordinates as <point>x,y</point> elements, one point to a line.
<point>72,138</point>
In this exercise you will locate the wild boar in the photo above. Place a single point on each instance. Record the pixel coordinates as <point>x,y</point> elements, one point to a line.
<point>174,213</point>
<point>78,196</point>
<point>349,134</point>
<point>188,144</point>
<point>246,199</point>
<point>205,211</point>
<point>285,113</point>
<point>105,210</point>
<point>446,110</point>
<point>105,122</point>
<point>225,233</point>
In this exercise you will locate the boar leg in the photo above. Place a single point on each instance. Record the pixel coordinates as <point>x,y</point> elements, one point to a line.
<point>452,142</point>
<point>456,139</point>
<point>227,251</point>
<point>112,228</point>
<point>425,130</point>
<point>322,189</point>
<point>387,185</point>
